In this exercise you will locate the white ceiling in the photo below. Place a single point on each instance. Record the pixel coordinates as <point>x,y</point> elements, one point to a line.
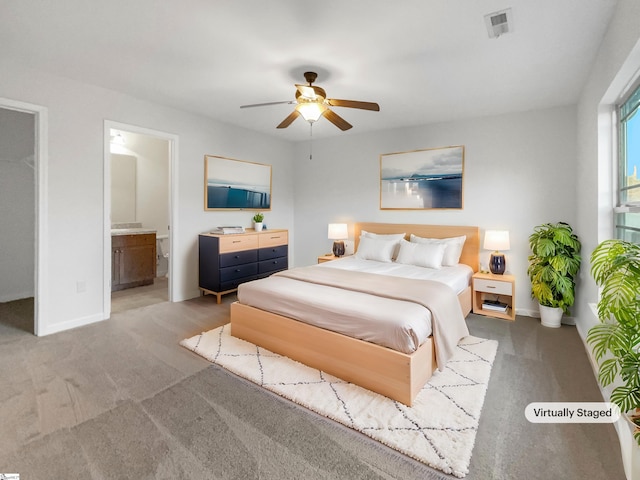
<point>423,61</point>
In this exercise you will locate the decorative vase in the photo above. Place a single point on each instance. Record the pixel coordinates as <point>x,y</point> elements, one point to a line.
<point>338,248</point>
<point>551,316</point>
<point>257,226</point>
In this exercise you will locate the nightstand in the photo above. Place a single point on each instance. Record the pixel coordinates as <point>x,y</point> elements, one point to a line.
<point>327,258</point>
<point>487,288</point>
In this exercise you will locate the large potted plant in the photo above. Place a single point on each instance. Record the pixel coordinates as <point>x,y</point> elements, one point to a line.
<point>553,266</point>
<point>615,266</point>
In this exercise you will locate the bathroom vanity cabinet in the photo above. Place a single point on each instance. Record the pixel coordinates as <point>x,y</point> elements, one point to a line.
<point>133,260</point>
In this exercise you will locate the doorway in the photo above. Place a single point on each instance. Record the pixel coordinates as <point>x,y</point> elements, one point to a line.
<point>139,192</point>
<point>23,147</point>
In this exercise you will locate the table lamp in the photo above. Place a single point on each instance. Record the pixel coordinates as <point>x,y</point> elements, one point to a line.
<point>338,232</point>
<point>496,240</point>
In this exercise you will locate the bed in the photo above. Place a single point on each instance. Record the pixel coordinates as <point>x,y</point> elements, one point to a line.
<point>384,369</point>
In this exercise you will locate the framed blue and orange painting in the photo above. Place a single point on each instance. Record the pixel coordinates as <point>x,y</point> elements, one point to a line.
<point>236,184</point>
<point>422,179</point>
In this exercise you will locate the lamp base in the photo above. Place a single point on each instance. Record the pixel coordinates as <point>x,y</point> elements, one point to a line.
<point>338,248</point>
<point>497,263</point>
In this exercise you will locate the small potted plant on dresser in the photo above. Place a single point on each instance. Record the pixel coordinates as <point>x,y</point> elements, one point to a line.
<point>615,266</point>
<point>553,266</point>
<point>257,221</point>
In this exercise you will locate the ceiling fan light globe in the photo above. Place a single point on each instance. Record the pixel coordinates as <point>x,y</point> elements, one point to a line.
<point>311,111</point>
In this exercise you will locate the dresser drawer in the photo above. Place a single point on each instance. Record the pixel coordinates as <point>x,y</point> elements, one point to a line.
<point>238,271</point>
<point>236,243</point>
<point>238,258</point>
<point>273,265</point>
<point>273,252</point>
<point>272,239</point>
<point>492,286</point>
<point>233,284</point>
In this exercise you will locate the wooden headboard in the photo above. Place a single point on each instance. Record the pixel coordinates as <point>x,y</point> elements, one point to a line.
<point>470,251</point>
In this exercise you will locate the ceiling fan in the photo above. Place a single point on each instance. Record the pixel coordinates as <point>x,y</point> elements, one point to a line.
<point>312,103</point>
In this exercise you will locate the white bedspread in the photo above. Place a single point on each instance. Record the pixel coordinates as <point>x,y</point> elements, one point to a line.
<point>400,325</point>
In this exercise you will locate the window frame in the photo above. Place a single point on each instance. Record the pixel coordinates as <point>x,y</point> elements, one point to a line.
<point>623,112</point>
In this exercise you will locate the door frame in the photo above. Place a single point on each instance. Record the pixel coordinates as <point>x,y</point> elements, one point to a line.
<point>41,152</point>
<point>173,203</point>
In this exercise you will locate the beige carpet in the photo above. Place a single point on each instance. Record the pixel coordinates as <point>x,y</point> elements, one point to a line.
<point>439,430</point>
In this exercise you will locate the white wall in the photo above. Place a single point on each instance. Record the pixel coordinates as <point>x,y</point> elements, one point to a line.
<point>519,171</point>
<point>17,205</point>
<point>151,188</point>
<point>153,194</point>
<point>76,115</point>
<point>617,64</point>
<point>124,171</point>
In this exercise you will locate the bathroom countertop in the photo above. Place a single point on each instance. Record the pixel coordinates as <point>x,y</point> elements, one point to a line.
<point>131,231</point>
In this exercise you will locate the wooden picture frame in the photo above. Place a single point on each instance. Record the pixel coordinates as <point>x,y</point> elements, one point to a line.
<point>422,179</point>
<point>231,184</point>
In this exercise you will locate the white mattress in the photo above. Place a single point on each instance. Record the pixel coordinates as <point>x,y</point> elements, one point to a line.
<point>396,324</point>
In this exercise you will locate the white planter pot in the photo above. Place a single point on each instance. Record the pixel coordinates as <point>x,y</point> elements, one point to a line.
<point>257,226</point>
<point>551,316</point>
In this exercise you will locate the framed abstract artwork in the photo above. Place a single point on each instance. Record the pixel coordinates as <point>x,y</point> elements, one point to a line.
<point>422,179</point>
<point>236,184</point>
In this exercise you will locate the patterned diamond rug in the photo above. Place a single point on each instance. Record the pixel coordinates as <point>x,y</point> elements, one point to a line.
<point>439,430</point>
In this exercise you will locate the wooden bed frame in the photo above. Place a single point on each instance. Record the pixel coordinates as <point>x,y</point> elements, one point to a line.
<point>397,375</point>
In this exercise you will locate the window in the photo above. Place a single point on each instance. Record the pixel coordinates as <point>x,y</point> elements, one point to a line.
<point>628,202</point>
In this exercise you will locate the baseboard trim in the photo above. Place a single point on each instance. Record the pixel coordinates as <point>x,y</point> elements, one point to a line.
<point>629,450</point>
<point>78,322</point>
<point>536,314</point>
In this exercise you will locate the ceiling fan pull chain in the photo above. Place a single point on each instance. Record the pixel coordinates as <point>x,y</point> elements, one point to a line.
<point>311,141</point>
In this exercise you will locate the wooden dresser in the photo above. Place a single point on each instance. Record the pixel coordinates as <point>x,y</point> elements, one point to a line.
<point>226,261</point>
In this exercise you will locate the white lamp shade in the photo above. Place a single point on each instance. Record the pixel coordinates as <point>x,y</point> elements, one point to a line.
<point>338,231</point>
<point>311,111</point>
<point>496,240</point>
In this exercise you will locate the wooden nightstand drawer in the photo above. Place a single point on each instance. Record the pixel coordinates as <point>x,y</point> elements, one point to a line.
<point>493,286</point>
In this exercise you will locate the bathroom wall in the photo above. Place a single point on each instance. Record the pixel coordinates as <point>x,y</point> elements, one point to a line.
<point>145,182</point>
<point>140,187</point>
<point>123,188</point>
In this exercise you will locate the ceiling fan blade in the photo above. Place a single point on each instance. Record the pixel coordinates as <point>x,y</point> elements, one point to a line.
<point>337,120</point>
<point>287,121</point>
<point>311,91</point>
<point>354,104</point>
<point>290,102</point>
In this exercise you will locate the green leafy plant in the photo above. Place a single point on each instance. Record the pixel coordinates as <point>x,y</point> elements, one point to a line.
<point>553,264</point>
<point>615,266</point>
<point>258,217</point>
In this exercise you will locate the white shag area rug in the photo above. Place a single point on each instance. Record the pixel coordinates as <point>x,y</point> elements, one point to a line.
<point>438,430</point>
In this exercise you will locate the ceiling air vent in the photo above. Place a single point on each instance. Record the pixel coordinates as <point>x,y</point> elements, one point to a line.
<point>499,23</point>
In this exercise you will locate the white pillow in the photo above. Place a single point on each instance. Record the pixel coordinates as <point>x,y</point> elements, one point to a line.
<point>452,251</point>
<point>391,236</point>
<point>421,254</point>
<point>376,249</point>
